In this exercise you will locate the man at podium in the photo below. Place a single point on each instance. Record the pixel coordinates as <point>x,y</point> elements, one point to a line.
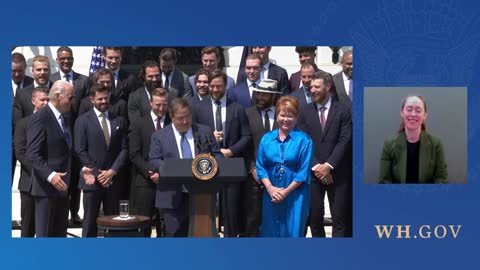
<point>175,141</point>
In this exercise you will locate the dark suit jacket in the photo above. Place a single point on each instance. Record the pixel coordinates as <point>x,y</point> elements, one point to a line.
<point>139,147</point>
<point>164,146</point>
<point>334,145</point>
<point>393,163</point>
<point>300,95</point>
<point>126,84</point>
<point>117,106</point>
<point>48,151</point>
<point>138,105</point>
<point>22,104</point>
<point>92,150</point>
<point>80,86</point>
<point>26,82</point>
<point>20,146</point>
<point>294,81</point>
<point>241,94</point>
<point>255,122</point>
<point>275,73</point>
<point>237,136</point>
<point>179,86</point>
<point>191,80</point>
<point>340,89</point>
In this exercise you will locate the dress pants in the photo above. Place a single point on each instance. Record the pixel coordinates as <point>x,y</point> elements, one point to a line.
<point>176,220</point>
<point>51,216</point>
<point>27,213</point>
<point>231,209</point>
<point>144,204</point>
<point>110,197</point>
<point>252,202</point>
<point>317,206</point>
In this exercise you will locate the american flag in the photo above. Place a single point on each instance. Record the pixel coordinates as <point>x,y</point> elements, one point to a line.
<point>97,59</point>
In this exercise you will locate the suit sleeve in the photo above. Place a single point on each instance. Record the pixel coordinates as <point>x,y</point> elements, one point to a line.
<point>20,143</point>
<point>441,174</point>
<point>37,147</point>
<point>188,89</point>
<point>133,109</point>
<point>17,112</point>
<point>156,152</point>
<point>81,144</point>
<point>302,124</point>
<point>344,139</point>
<point>283,83</point>
<point>122,157</point>
<point>240,147</point>
<point>135,150</point>
<point>260,163</point>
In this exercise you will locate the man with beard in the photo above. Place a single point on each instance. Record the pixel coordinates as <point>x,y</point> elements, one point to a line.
<point>344,80</point>
<point>229,122</point>
<point>328,123</point>
<point>303,94</point>
<point>146,176</point>
<point>80,82</point>
<point>101,147</point>
<point>243,92</point>
<point>305,54</point>
<point>261,119</point>
<point>139,101</point>
<point>174,80</point>
<point>117,106</point>
<point>210,59</point>
<point>269,70</point>
<point>201,86</point>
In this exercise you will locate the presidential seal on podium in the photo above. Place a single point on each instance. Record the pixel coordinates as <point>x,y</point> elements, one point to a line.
<point>204,166</point>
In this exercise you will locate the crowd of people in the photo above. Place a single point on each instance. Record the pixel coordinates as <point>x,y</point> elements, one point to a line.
<point>104,135</point>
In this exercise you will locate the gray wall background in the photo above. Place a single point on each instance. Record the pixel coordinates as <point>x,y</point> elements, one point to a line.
<point>446,119</point>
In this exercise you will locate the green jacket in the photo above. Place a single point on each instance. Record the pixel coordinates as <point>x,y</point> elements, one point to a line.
<point>393,163</point>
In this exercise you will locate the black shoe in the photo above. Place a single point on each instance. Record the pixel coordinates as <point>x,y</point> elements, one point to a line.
<point>76,220</point>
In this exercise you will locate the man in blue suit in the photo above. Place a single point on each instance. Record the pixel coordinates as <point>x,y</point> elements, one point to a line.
<point>49,144</point>
<point>243,92</point>
<point>329,124</point>
<point>231,130</point>
<point>101,147</point>
<point>173,142</point>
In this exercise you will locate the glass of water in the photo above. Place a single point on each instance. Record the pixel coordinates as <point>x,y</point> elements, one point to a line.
<point>124,208</point>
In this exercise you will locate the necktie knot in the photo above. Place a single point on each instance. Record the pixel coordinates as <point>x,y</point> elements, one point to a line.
<point>67,77</point>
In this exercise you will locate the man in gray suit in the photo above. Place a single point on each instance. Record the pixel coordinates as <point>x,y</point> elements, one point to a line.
<point>344,80</point>
<point>174,80</point>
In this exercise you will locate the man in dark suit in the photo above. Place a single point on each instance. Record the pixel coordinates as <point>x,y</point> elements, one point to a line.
<point>270,70</point>
<point>261,119</point>
<point>344,80</point>
<point>139,101</point>
<point>80,83</point>
<point>303,94</point>
<point>173,142</point>
<point>146,176</point>
<point>243,93</point>
<point>27,202</point>
<point>117,105</point>
<point>124,82</point>
<point>49,144</point>
<point>305,54</point>
<point>101,147</point>
<point>201,85</point>
<point>19,81</point>
<point>329,124</point>
<point>210,59</point>
<point>174,80</point>
<point>231,131</point>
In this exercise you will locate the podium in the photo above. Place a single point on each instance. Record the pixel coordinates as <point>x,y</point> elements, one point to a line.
<point>203,193</point>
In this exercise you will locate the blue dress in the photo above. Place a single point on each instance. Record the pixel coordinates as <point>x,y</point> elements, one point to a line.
<point>287,218</point>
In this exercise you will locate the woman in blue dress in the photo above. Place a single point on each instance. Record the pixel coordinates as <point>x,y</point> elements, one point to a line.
<point>283,166</point>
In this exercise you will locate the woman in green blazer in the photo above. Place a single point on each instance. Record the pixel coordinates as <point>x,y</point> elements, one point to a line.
<point>413,155</point>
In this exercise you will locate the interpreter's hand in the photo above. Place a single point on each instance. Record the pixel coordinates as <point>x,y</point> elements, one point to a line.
<point>218,136</point>
<point>276,193</point>
<point>154,176</point>
<point>105,177</point>
<point>226,152</point>
<point>88,176</point>
<point>58,182</point>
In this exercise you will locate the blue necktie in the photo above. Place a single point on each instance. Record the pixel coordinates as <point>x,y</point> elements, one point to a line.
<point>185,147</point>
<point>66,132</point>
